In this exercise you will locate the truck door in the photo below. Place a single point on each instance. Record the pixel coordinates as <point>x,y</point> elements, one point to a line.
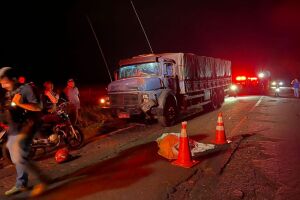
<point>170,79</point>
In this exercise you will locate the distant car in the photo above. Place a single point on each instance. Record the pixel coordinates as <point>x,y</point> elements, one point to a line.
<point>276,85</point>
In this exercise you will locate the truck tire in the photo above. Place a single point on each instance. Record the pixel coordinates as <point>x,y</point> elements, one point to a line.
<point>221,97</point>
<point>169,113</point>
<point>214,104</point>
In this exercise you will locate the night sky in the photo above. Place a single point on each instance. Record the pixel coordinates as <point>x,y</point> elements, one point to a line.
<point>51,40</point>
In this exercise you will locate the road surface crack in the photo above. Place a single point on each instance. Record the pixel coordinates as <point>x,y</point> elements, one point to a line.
<point>235,148</point>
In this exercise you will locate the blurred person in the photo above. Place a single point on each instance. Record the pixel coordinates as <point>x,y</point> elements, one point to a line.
<point>72,94</point>
<point>295,84</point>
<point>277,89</point>
<point>22,110</point>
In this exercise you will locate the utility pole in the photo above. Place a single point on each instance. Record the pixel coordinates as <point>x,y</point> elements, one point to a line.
<point>99,46</point>
<point>140,22</point>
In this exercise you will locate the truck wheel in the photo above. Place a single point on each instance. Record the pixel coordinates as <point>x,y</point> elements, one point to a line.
<point>221,97</point>
<point>169,114</point>
<point>214,104</point>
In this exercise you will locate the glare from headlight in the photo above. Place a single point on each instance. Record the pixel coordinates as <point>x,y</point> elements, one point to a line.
<point>273,83</point>
<point>233,87</point>
<point>277,89</point>
<point>280,83</point>
<point>261,75</point>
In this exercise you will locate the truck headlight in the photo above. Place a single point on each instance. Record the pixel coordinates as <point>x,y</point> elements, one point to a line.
<point>145,98</point>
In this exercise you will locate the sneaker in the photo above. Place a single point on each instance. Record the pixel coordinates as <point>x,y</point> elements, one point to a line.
<point>15,190</point>
<point>38,190</point>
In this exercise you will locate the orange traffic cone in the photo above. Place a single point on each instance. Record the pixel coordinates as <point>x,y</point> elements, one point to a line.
<point>220,131</point>
<point>184,155</point>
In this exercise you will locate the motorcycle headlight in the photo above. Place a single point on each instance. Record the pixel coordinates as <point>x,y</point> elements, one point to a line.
<point>104,101</point>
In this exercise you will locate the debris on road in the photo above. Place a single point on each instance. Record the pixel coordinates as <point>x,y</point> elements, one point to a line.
<point>168,144</point>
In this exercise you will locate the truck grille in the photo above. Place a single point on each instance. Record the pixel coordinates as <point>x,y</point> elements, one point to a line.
<point>124,99</point>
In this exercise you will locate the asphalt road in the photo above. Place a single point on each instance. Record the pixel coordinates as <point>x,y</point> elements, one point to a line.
<point>261,163</point>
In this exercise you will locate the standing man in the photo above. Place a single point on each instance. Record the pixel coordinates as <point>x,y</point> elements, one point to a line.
<point>295,84</point>
<point>49,98</point>
<point>22,109</point>
<point>72,94</point>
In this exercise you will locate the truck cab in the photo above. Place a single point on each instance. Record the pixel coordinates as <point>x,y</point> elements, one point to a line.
<point>139,85</point>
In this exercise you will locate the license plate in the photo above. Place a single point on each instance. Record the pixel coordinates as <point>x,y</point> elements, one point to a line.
<point>123,115</point>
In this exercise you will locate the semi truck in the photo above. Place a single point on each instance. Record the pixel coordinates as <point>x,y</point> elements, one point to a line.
<point>164,86</point>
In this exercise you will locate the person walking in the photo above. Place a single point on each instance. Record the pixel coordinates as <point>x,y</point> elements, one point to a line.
<point>295,84</point>
<point>72,94</point>
<point>22,110</point>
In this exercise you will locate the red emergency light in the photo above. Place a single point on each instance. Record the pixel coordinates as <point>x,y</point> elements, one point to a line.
<point>240,78</point>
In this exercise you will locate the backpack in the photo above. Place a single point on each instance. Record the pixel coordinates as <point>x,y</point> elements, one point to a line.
<point>37,92</point>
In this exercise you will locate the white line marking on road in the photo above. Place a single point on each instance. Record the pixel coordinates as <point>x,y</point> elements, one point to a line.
<point>257,103</point>
<point>245,117</point>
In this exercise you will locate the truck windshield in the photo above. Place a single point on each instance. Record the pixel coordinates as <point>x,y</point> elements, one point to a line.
<point>139,70</point>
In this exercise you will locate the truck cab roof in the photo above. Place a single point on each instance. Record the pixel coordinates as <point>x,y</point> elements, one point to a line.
<point>144,58</point>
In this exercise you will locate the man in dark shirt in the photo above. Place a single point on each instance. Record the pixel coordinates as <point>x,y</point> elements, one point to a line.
<point>49,99</point>
<point>21,111</point>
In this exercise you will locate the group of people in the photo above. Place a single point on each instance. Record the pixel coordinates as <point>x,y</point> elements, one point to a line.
<point>21,108</point>
<point>50,99</point>
<point>295,84</point>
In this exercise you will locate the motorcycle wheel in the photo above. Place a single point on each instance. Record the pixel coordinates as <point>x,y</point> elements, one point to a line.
<point>75,141</point>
